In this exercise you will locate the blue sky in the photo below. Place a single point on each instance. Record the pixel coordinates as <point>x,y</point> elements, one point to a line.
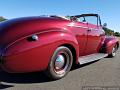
<point>108,9</point>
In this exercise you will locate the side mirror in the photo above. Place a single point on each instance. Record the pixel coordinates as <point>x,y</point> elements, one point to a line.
<point>104,25</point>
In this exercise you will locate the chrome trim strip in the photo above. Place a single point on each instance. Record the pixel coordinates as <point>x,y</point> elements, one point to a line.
<point>82,27</point>
<point>77,26</point>
<point>93,29</point>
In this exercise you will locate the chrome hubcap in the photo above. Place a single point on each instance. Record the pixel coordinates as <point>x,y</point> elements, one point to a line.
<point>59,62</point>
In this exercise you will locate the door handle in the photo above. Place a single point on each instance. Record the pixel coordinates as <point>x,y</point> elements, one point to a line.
<point>89,30</point>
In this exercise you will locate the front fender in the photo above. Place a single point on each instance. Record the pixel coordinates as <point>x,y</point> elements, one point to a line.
<point>109,43</point>
<point>29,56</point>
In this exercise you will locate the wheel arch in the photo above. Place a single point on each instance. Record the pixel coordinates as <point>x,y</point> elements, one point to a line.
<point>109,43</point>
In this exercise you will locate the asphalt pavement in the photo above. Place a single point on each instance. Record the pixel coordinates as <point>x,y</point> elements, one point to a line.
<point>104,73</point>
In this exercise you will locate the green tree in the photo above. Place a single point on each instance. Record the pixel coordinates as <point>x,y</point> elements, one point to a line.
<point>2,19</point>
<point>117,34</point>
<point>108,31</point>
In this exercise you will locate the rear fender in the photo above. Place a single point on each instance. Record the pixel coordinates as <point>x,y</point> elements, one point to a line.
<point>29,56</point>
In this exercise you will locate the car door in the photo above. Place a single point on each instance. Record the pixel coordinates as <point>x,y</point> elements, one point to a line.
<point>80,31</point>
<point>93,35</point>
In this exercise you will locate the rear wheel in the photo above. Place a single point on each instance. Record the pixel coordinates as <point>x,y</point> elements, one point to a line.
<point>60,63</point>
<point>113,53</point>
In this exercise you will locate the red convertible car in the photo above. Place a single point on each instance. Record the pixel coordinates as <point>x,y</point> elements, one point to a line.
<point>53,43</point>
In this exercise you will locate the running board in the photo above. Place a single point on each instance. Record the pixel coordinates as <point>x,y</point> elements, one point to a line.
<point>91,57</point>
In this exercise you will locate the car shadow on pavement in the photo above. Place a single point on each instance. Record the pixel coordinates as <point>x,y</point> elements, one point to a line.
<point>19,78</point>
<point>28,78</point>
<point>3,86</point>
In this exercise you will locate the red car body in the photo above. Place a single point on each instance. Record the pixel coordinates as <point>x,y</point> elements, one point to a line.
<point>19,54</point>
